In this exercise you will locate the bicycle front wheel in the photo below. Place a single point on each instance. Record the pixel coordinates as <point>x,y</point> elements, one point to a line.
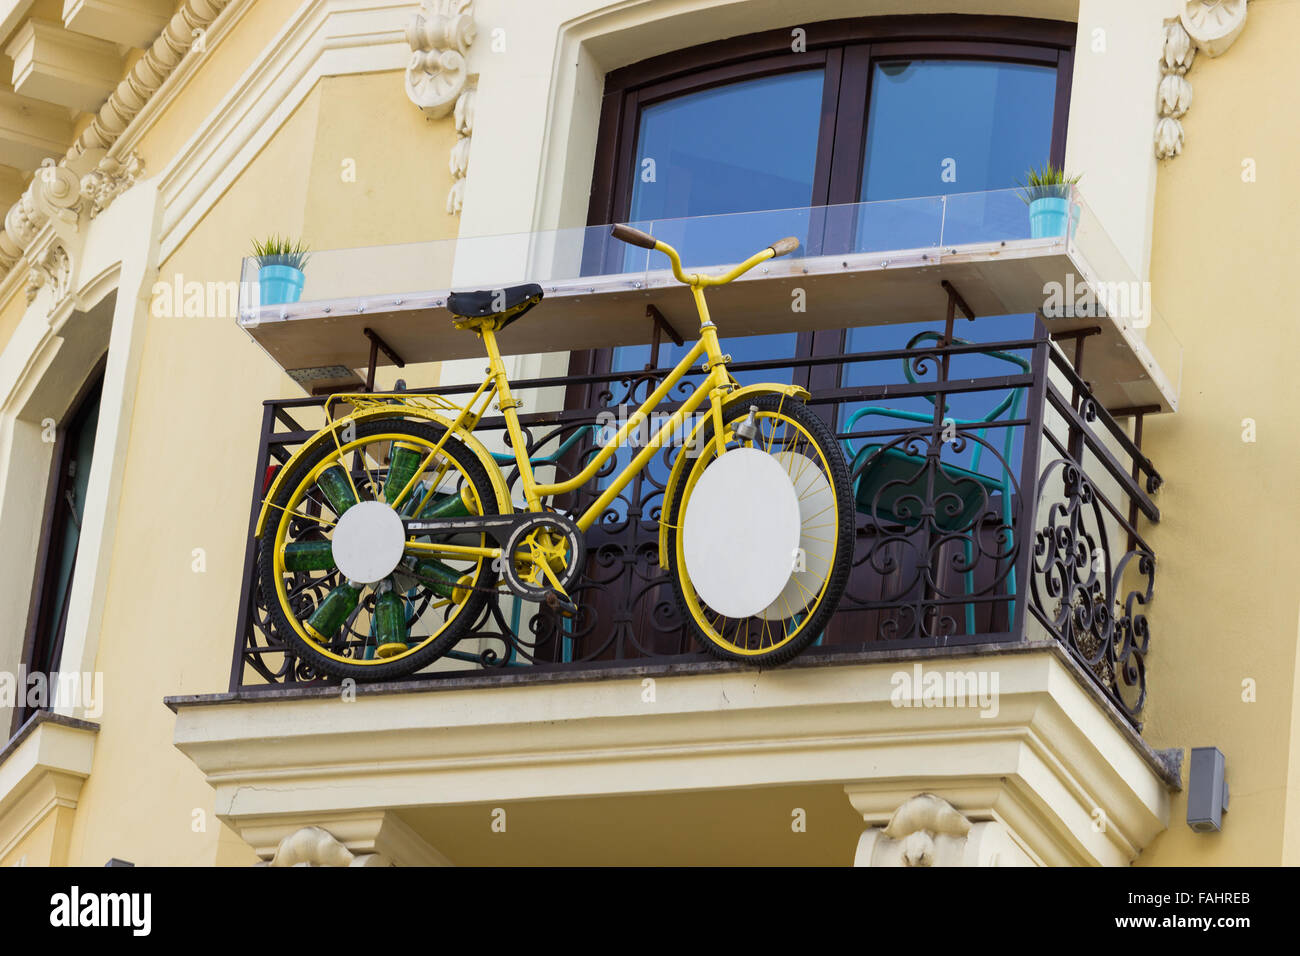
<point>804,446</point>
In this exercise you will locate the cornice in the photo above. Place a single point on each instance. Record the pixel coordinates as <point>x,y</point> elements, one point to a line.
<point>91,176</point>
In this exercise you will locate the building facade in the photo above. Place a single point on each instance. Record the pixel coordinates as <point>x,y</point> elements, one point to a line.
<point>1068,596</point>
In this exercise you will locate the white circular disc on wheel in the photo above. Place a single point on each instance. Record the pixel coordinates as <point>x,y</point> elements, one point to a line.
<point>817,527</point>
<point>368,542</point>
<point>740,531</point>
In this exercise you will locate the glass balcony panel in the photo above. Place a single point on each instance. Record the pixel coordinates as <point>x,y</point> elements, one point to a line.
<point>985,239</point>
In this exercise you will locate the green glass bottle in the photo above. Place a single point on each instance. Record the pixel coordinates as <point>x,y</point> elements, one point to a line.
<point>332,612</point>
<point>445,506</point>
<point>402,465</point>
<point>337,489</point>
<point>446,576</point>
<point>390,623</point>
<point>308,556</point>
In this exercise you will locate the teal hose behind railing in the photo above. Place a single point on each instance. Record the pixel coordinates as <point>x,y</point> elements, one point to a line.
<point>505,458</point>
<point>1011,403</point>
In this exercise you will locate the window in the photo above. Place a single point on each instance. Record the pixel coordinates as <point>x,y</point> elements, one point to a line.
<point>877,109</point>
<point>61,533</point>
<point>939,126</point>
<point>943,126</point>
<point>743,146</point>
<point>729,148</point>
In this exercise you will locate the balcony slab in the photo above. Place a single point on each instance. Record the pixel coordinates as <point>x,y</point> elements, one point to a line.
<point>1045,755</point>
<point>859,289</point>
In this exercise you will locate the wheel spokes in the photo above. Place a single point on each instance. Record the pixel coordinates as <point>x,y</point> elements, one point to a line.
<point>370,623</point>
<point>802,459</point>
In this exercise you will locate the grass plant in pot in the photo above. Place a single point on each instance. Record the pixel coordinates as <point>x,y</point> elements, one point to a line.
<point>1047,193</point>
<point>280,276</point>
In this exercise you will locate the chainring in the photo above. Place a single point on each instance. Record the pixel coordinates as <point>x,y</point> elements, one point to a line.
<point>547,536</point>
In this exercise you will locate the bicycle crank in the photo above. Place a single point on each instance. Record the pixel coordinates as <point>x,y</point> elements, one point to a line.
<point>541,551</point>
<point>546,550</point>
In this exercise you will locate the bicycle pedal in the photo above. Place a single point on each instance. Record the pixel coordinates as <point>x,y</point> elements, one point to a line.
<point>560,605</point>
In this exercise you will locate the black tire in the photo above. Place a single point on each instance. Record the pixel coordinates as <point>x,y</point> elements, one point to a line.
<point>456,629</point>
<point>842,561</point>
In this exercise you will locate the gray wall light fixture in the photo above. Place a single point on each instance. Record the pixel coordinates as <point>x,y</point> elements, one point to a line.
<point>1207,790</point>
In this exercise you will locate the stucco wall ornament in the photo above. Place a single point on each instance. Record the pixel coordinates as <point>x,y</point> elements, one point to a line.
<point>440,35</point>
<point>51,210</point>
<point>459,163</point>
<point>1205,26</point>
<point>314,846</point>
<point>54,269</point>
<point>922,831</point>
<point>927,830</point>
<point>109,180</point>
<point>438,79</point>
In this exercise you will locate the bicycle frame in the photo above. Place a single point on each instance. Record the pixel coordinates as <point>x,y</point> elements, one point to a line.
<point>717,383</point>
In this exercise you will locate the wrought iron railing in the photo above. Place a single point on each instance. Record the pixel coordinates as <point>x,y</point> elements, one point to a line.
<point>996,502</point>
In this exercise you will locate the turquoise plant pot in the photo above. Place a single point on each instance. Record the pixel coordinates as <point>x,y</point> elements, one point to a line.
<point>1048,216</point>
<point>280,285</point>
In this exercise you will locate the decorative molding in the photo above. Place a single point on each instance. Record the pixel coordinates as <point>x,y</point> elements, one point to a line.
<point>52,270</point>
<point>1207,26</point>
<point>365,838</point>
<point>54,194</point>
<point>178,80</point>
<point>927,830</point>
<point>42,230</point>
<point>148,74</point>
<point>314,846</point>
<point>440,35</point>
<point>109,180</point>
<point>459,164</point>
<point>1213,24</point>
<point>57,191</point>
<point>438,79</point>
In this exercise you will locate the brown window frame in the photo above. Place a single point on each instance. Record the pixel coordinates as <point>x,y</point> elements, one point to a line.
<point>847,48</point>
<point>37,643</point>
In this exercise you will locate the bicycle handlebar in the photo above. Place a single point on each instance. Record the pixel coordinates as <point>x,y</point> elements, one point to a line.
<point>636,237</point>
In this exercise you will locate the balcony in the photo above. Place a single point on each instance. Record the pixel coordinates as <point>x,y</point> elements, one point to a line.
<point>1018,521</point>
<point>1003,504</point>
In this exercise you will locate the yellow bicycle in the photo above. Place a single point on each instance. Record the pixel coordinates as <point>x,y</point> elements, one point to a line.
<point>384,536</point>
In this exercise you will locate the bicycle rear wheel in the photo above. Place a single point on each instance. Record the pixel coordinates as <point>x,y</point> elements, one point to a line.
<point>409,617</point>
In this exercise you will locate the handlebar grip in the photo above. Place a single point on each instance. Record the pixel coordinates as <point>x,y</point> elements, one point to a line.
<point>634,237</point>
<point>784,246</point>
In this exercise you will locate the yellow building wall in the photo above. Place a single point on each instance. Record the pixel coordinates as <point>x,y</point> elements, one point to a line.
<point>1227,592</point>
<point>169,628</point>
<point>222,66</point>
<point>46,844</point>
<point>1227,598</point>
